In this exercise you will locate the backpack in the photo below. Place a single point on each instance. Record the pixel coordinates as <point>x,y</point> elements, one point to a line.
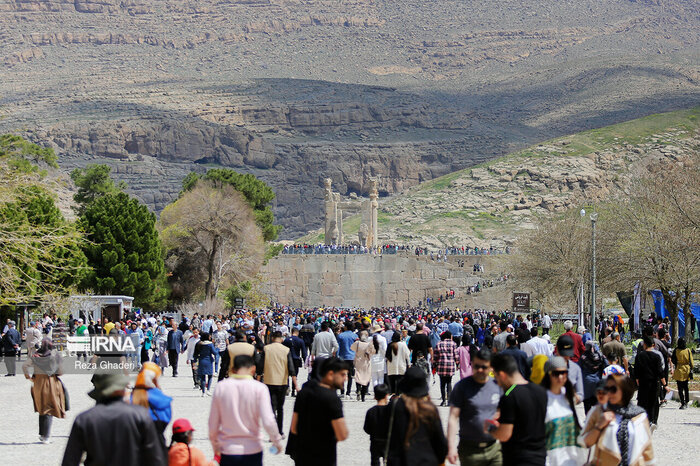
<point>422,364</point>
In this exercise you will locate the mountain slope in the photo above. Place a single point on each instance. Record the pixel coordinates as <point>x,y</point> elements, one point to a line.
<point>487,205</point>
<point>295,91</point>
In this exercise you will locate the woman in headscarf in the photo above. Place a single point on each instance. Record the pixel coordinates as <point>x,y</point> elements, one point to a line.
<point>47,389</point>
<point>620,429</point>
<point>415,435</point>
<point>446,359</point>
<point>561,421</point>
<point>205,354</point>
<point>364,350</point>
<point>592,363</point>
<point>147,393</point>
<point>682,359</point>
<point>464,354</point>
<point>398,358</point>
<point>379,345</point>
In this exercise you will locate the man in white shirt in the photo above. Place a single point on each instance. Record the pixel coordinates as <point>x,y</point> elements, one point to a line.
<point>538,344</point>
<point>325,344</point>
<point>546,324</point>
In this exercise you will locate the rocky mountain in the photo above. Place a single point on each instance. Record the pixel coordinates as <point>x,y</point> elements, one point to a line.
<point>489,204</point>
<point>295,91</point>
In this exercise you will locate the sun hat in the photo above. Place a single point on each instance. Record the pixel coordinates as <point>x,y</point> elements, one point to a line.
<point>106,384</point>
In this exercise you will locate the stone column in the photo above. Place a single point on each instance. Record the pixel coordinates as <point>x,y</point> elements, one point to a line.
<point>374,205</point>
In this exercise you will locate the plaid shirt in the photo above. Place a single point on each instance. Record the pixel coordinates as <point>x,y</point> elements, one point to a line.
<point>445,357</point>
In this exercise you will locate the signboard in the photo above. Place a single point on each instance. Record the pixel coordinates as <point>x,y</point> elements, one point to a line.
<point>521,302</point>
<point>238,303</point>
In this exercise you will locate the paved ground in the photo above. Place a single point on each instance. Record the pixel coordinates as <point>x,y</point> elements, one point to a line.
<point>676,441</point>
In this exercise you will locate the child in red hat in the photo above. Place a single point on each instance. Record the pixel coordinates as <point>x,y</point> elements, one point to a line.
<point>180,452</point>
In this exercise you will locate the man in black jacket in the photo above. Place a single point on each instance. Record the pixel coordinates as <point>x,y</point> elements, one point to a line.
<point>11,342</point>
<point>113,432</point>
<point>649,373</point>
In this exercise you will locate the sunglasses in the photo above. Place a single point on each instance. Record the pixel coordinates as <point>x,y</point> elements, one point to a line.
<point>611,388</point>
<point>559,373</point>
<point>480,367</point>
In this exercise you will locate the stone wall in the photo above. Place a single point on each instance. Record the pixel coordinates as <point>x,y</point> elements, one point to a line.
<point>362,280</point>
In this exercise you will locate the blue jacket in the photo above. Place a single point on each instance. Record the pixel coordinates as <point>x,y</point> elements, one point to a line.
<point>159,403</point>
<point>175,341</point>
<point>456,329</point>
<point>345,340</point>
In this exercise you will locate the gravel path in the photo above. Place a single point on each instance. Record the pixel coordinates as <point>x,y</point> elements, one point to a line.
<point>675,442</point>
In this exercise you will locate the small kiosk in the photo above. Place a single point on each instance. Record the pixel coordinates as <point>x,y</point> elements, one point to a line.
<point>96,307</point>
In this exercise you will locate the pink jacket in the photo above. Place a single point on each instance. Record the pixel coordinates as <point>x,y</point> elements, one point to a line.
<point>238,407</point>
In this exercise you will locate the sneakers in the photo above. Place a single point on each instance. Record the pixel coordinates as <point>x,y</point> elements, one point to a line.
<point>203,395</point>
<point>683,406</point>
<point>45,440</point>
<point>357,398</point>
<point>652,428</point>
<point>208,392</point>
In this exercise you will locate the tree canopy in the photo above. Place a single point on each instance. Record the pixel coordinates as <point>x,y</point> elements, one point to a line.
<point>93,182</point>
<point>256,192</point>
<point>40,252</point>
<point>124,249</point>
<point>212,240</point>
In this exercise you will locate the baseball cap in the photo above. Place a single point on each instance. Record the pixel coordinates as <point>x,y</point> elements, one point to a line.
<point>565,346</point>
<point>182,425</point>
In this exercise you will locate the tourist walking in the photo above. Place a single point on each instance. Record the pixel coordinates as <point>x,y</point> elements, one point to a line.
<point>464,357</point>
<point>649,374</point>
<point>523,407</point>
<point>277,366</point>
<point>220,340</point>
<point>11,342</point>
<point>397,361</point>
<point>239,347</point>
<point>346,339</point>
<point>377,424</point>
<point>620,431</point>
<point>363,351</point>
<point>297,347</point>
<point>446,358</point>
<point>561,421</point>
<point>682,359</point>
<point>181,452</point>
<point>379,345</point>
<point>615,352</point>
<point>318,422</point>
<point>33,337</point>
<point>474,399</point>
<point>190,344</point>
<point>240,406</point>
<point>175,345</point>
<point>48,392</point>
<point>415,435</point>
<point>205,353</point>
<point>592,363</point>
<point>147,393</point>
<point>517,354</point>
<point>113,433</point>
<point>566,348</point>
<point>161,350</point>
<point>325,344</point>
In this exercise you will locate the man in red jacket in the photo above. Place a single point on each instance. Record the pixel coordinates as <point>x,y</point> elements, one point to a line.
<point>579,347</point>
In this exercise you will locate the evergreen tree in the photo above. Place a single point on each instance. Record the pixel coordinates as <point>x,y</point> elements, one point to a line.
<point>93,182</point>
<point>124,249</point>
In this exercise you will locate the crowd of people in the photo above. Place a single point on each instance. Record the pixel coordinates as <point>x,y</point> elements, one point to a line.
<point>439,254</point>
<point>515,401</point>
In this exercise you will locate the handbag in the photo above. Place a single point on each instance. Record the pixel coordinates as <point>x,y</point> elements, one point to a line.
<point>65,394</point>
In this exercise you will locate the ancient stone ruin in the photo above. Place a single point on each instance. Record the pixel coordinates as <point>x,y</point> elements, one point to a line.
<point>335,208</point>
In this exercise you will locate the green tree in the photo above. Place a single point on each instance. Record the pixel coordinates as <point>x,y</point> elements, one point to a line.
<point>93,182</point>
<point>256,192</point>
<point>40,252</point>
<point>124,251</point>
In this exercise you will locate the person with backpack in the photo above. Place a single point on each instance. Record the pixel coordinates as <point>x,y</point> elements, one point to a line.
<point>180,452</point>
<point>147,393</point>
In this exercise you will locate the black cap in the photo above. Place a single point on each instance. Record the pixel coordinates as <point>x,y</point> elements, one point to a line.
<point>414,383</point>
<point>565,346</point>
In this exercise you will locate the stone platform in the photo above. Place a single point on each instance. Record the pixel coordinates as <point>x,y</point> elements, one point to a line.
<point>364,280</point>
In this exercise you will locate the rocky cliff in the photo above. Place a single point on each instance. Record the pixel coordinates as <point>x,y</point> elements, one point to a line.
<point>298,90</point>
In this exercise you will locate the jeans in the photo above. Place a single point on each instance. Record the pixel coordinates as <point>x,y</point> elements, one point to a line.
<point>217,358</point>
<point>683,393</point>
<point>242,460</point>
<point>277,394</point>
<point>172,359</point>
<point>204,385</point>
<point>445,387</point>
<point>45,425</point>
